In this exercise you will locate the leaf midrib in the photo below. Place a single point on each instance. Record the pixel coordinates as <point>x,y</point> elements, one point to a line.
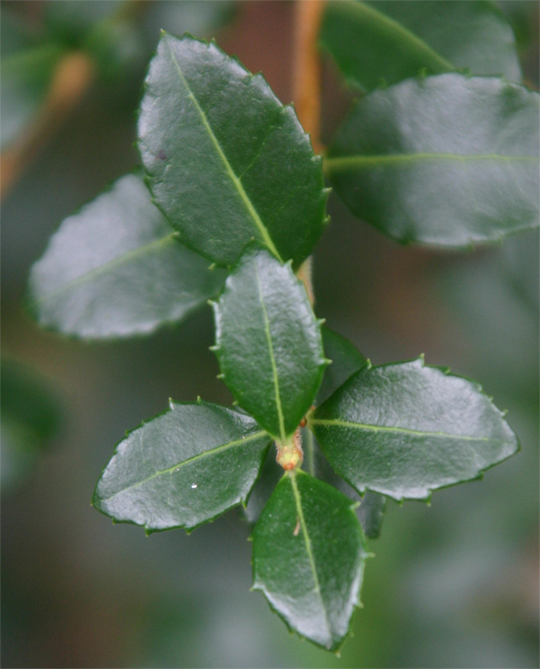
<point>275,376</point>
<point>235,180</point>
<point>358,8</point>
<point>179,465</point>
<point>309,548</point>
<point>103,269</point>
<point>342,163</point>
<point>399,430</point>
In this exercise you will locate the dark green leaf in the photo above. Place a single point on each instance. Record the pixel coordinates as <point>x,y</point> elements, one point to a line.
<point>71,20</point>
<point>405,430</point>
<point>346,359</point>
<point>183,468</point>
<point>371,504</point>
<point>308,558</point>
<point>26,75</point>
<point>268,342</point>
<point>115,269</point>
<point>376,42</point>
<point>30,419</point>
<point>227,161</point>
<point>448,160</point>
<point>271,473</point>
<point>29,407</point>
<point>371,514</point>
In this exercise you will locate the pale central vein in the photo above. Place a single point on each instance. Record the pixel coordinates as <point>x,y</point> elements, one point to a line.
<point>309,548</point>
<point>343,163</point>
<point>107,267</point>
<point>236,181</point>
<point>385,428</point>
<point>179,465</point>
<point>272,358</point>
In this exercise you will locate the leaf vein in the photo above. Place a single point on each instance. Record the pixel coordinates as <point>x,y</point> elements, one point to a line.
<point>235,180</point>
<point>309,548</point>
<point>178,465</point>
<point>103,269</point>
<point>386,428</point>
<point>275,375</point>
<point>350,162</point>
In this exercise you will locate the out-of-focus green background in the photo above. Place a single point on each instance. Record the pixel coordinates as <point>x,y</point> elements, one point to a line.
<point>453,585</point>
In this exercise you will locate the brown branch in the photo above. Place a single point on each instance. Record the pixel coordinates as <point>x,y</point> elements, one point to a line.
<point>72,77</point>
<point>307,68</point>
<point>307,89</point>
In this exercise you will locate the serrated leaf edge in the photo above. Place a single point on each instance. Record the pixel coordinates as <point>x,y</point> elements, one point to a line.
<point>446,371</point>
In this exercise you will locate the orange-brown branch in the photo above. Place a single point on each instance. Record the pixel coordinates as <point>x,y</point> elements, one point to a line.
<point>307,68</point>
<point>73,75</point>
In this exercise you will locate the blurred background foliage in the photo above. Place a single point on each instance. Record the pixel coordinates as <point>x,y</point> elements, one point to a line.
<point>453,585</point>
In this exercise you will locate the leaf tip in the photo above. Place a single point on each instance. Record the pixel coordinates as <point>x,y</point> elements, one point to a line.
<point>220,376</point>
<point>199,400</point>
<point>214,348</point>
<point>171,404</point>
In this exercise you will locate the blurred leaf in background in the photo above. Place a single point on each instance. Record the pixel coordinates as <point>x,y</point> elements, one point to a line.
<point>31,419</point>
<point>453,585</point>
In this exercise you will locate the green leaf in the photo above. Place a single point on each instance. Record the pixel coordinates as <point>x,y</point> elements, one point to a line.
<point>405,430</point>
<point>308,558</point>
<point>115,269</point>
<point>268,342</point>
<point>346,359</point>
<point>182,468</point>
<point>271,473</point>
<point>376,42</point>
<point>227,161</point>
<point>31,417</point>
<point>447,160</point>
<point>371,514</point>
<point>26,76</point>
<point>29,405</point>
<point>371,505</point>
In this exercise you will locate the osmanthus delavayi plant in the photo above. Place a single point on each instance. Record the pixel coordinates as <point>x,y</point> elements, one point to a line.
<point>229,204</point>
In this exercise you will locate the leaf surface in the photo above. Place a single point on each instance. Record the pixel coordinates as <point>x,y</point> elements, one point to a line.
<point>376,42</point>
<point>227,162</point>
<point>115,269</point>
<point>406,429</point>
<point>183,468</point>
<point>268,342</point>
<point>346,359</point>
<point>308,558</point>
<point>371,505</point>
<point>447,160</point>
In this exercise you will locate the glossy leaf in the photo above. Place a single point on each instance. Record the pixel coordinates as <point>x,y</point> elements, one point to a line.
<point>227,162</point>
<point>346,359</point>
<point>386,42</point>
<point>406,429</point>
<point>371,507</point>
<point>268,342</point>
<point>308,558</point>
<point>447,160</point>
<point>271,473</point>
<point>183,468</point>
<point>115,269</point>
